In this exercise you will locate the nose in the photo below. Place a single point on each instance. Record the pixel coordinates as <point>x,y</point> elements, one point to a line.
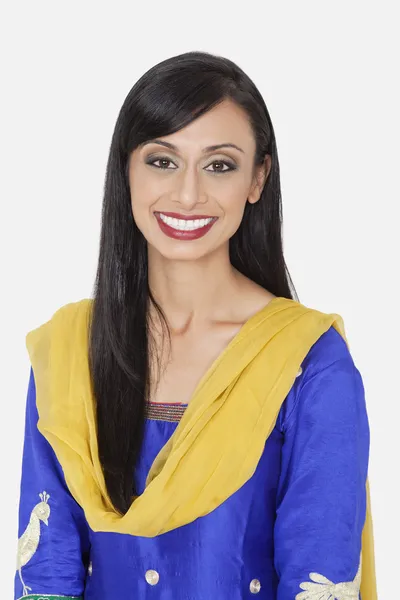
<point>190,190</point>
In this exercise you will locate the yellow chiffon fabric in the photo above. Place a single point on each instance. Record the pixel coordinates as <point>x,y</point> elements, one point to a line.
<point>216,445</point>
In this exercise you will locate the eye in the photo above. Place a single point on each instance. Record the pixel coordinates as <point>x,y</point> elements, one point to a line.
<point>161,159</point>
<point>231,166</point>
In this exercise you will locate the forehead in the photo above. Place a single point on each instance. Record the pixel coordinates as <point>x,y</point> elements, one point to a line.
<point>225,123</point>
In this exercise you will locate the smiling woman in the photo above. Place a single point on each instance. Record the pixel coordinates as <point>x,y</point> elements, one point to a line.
<point>219,178</point>
<point>232,460</point>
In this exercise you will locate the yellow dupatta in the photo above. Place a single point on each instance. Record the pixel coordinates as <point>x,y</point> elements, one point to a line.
<point>204,462</point>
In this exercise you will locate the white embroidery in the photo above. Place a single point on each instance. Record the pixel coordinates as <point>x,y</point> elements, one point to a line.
<point>324,589</point>
<point>29,540</point>
<point>47,597</point>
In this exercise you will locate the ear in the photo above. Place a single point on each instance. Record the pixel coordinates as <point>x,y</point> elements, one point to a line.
<point>260,178</point>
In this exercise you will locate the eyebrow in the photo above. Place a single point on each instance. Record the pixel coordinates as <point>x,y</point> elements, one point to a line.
<point>206,149</point>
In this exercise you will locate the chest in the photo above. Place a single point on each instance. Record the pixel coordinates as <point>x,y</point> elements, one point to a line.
<point>189,360</point>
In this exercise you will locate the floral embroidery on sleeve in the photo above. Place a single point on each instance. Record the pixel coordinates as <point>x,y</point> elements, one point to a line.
<point>324,589</point>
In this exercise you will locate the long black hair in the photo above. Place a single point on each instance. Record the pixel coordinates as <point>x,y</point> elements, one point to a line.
<point>165,99</point>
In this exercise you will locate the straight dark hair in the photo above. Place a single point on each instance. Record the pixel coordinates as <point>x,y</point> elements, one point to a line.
<point>165,99</point>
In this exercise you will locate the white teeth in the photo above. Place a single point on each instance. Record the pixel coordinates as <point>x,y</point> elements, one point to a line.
<point>184,225</point>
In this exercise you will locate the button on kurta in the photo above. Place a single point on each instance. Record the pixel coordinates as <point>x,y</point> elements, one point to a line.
<point>152,577</point>
<point>255,586</point>
<point>299,372</point>
<point>90,568</point>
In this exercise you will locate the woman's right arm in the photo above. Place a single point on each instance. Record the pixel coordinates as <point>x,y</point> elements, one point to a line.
<point>53,534</point>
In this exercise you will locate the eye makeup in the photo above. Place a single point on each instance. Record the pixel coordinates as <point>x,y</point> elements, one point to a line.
<point>229,165</point>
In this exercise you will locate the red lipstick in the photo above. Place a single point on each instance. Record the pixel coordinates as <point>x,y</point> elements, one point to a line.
<point>184,217</point>
<point>188,234</point>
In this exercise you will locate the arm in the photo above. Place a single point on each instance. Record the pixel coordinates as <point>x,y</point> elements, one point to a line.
<point>53,535</point>
<point>321,505</point>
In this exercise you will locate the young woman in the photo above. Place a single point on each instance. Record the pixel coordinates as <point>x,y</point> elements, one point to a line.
<point>193,431</point>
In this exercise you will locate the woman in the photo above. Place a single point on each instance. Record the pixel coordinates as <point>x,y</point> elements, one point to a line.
<point>193,431</point>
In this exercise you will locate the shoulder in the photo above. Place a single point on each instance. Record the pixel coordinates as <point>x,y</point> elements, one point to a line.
<point>69,317</point>
<point>73,308</point>
<point>65,311</point>
<point>329,385</point>
<point>329,348</point>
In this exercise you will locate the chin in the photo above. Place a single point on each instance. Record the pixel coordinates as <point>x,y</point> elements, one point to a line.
<point>181,253</point>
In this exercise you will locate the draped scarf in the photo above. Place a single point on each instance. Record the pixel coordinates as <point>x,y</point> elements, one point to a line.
<point>204,461</point>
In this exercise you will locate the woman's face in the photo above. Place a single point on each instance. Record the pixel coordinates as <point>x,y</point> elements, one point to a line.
<point>190,180</point>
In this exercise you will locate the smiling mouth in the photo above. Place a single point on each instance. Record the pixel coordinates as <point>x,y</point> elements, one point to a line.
<point>187,224</point>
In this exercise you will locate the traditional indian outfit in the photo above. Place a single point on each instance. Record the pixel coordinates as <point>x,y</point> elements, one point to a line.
<point>257,487</point>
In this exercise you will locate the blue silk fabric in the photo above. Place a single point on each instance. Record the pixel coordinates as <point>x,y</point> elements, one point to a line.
<point>300,514</point>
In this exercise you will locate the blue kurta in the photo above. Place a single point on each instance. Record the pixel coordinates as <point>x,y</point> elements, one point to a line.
<point>290,531</point>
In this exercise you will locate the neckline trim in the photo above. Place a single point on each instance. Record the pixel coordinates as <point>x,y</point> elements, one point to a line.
<point>166,411</point>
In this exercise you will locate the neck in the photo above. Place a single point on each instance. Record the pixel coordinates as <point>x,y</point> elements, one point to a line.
<point>194,293</point>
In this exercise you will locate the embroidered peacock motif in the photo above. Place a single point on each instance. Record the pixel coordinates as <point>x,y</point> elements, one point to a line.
<point>324,589</point>
<point>29,540</point>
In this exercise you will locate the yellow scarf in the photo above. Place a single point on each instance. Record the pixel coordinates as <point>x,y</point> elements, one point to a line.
<point>204,462</point>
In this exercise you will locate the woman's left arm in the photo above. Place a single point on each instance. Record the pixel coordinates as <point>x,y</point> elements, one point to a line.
<point>321,504</point>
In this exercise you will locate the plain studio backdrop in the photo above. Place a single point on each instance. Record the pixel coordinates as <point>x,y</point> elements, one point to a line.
<point>329,77</point>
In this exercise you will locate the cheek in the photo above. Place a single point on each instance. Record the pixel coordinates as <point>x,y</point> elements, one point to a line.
<point>143,194</point>
<point>233,190</point>
<point>141,188</point>
<point>233,199</point>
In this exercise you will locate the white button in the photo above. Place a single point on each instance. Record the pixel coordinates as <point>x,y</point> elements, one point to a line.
<point>299,372</point>
<point>255,586</point>
<point>152,577</point>
<point>90,568</point>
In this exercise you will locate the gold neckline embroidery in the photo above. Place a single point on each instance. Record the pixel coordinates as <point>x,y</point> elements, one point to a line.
<point>164,411</point>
